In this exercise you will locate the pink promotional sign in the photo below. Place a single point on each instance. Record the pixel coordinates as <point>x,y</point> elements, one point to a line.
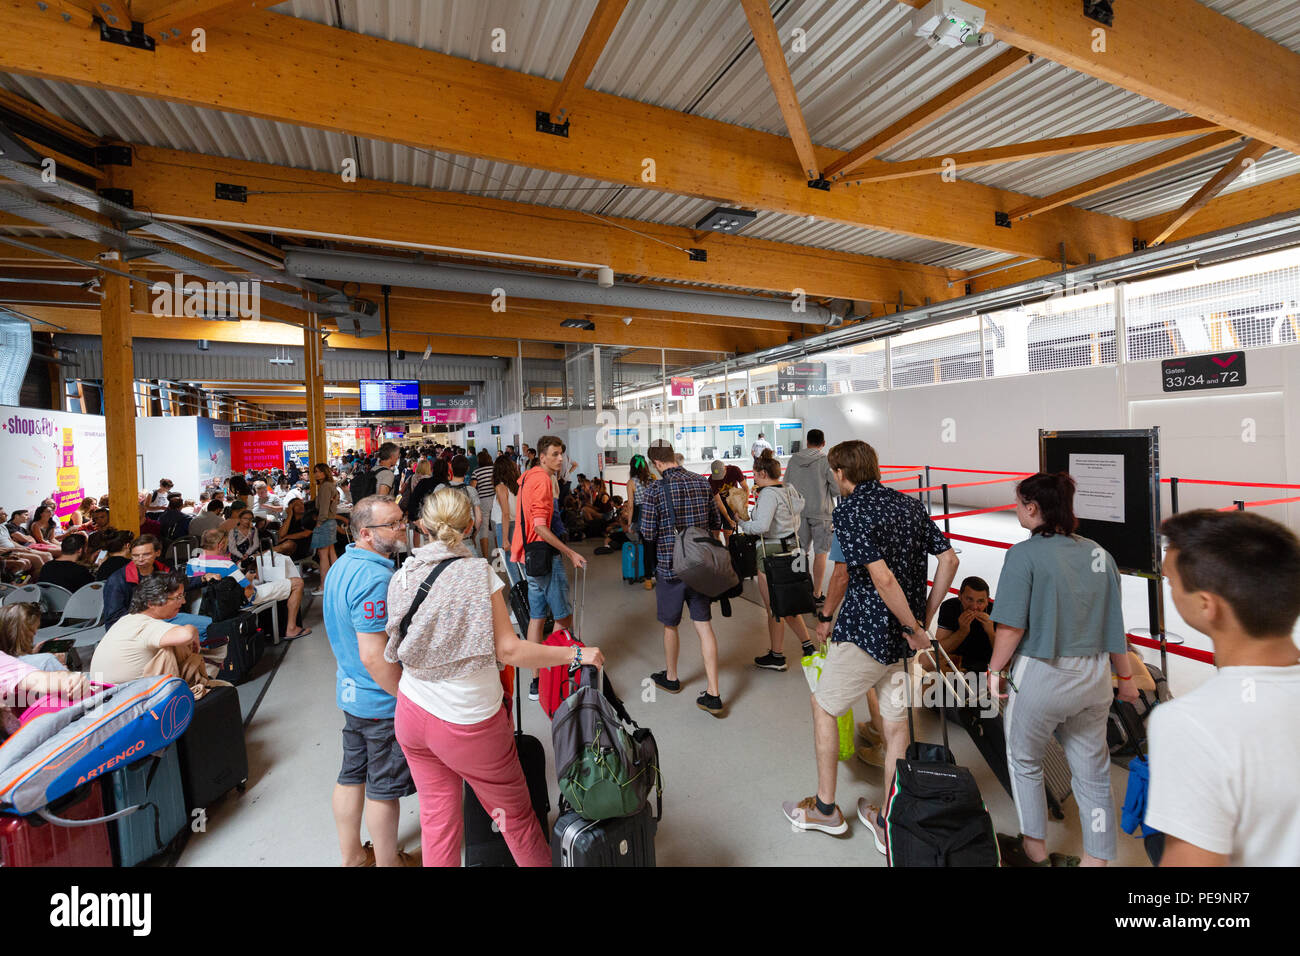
<point>683,387</point>
<point>446,416</point>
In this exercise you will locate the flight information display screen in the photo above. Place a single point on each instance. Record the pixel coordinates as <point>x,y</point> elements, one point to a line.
<point>383,396</point>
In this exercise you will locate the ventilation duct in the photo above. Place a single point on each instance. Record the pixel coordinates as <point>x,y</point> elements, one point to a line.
<point>15,353</point>
<point>389,270</point>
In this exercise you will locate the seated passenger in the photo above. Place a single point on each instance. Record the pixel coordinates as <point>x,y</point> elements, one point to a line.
<point>965,629</point>
<point>145,642</point>
<point>215,564</point>
<point>21,684</point>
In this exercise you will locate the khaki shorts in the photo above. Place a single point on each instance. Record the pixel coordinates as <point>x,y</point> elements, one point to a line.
<point>847,675</point>
<point>272,591</point>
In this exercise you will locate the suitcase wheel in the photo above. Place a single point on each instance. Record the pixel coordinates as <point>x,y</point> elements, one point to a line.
<point>242,786</point>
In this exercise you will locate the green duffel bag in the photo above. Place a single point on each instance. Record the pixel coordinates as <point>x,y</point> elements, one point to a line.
<point>604,771</point>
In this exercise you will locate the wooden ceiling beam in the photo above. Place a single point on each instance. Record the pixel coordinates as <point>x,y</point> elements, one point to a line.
<point>176,21</point>
<point>373,88</point>
<point>1170,157</point>
<point>593,41</point>
<point>1178,52</point>
<point>1039,149</point>
<point>1223,212</point>
<point>25,108</point>
<point>768,41</point>
<point>961,92</point>
<point>1250,154</point>
<point>293,202</point>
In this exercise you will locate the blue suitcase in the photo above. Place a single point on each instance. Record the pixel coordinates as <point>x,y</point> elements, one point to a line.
<point>155,783</point>
<point>633,562</point>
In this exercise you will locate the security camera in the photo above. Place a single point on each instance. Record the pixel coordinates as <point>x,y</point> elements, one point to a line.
<point>627,320</point>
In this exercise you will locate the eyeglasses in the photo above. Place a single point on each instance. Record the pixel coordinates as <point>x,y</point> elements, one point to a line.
<point>399,523</point>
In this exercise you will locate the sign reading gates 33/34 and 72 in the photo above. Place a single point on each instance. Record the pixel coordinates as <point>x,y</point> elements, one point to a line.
<point>1195,372</point>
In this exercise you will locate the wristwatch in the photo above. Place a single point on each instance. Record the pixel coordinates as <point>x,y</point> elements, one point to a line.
<point>824,618</point>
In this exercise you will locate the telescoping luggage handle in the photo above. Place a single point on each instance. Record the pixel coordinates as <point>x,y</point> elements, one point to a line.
<point>943,717</point>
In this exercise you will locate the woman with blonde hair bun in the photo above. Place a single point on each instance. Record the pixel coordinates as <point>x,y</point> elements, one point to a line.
<point>451,722</point>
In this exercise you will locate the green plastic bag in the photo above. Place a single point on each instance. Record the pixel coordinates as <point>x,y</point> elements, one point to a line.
<point>812,672</point>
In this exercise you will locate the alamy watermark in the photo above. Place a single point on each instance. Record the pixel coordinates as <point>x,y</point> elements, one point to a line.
<point>233,300</point>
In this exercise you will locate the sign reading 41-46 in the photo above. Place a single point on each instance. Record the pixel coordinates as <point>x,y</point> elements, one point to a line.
<point>1195,372</point>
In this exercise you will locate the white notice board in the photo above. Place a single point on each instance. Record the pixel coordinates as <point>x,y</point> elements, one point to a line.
<point>1099,486</point>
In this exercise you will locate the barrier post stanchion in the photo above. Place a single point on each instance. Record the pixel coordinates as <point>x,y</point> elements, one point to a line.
<point>1173,495</point>
<point>946,528</point>
<point>1241,505</point>
<point>920,483</point>
<point>929,495</point>
<point>1156,618</point>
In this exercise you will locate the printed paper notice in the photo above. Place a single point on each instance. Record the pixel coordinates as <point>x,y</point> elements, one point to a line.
<point>1099,487</point>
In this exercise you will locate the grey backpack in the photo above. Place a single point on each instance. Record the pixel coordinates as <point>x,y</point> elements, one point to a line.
<point>699,559</point>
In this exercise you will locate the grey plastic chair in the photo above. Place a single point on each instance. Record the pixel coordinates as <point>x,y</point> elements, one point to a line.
<point>54,597</point>
<point>83,610</point>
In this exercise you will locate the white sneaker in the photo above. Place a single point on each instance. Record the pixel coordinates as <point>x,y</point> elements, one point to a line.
<point>318,592</point>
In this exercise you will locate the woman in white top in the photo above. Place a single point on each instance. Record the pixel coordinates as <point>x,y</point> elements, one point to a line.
<point>505,485</point>
<point>450,721</point>
<point>776,518</point>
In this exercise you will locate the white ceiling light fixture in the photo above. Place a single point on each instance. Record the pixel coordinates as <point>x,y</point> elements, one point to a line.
<point>950,23</point>
<point>605,277</point>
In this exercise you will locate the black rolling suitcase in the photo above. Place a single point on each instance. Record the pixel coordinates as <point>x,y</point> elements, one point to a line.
<point>519,607</point>
<point>485,845</point>
<point>244,647</point>
<point>623,841</point>
<point>213,757</point>
<point>744,554</point>
<point>934,814</point>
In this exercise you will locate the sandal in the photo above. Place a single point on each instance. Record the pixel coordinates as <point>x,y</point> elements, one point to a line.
<point>293,637</point>
<point>1061,859</point>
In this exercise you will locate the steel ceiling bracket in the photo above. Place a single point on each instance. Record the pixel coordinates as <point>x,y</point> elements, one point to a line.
<point>823,184</point>
<point>1002,219</point>
<point>112,155</point>
<point>698,255</point>
<point>232,193</point>
<point>1099,10</point>
<point>134,38</point>
<point>544,125</point>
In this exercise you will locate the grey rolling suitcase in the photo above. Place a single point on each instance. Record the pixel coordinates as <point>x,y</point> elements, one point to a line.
<point>623,841</point>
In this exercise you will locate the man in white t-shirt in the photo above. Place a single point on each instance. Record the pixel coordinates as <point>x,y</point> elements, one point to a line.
<point>145,642</point>
<point>756,450</point>
<point>1225,759</point>
<point>265,504</point>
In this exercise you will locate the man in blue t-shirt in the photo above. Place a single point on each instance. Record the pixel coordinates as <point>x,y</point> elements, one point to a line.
<point>374,774</point>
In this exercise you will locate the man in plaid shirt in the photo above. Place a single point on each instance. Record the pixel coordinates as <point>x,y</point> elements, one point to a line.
<point>692,503</point>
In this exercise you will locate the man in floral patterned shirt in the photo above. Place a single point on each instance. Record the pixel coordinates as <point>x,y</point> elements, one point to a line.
<point>886,537</point>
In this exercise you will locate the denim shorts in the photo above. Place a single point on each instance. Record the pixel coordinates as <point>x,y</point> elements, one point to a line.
<point>372,756</point>
<point>323,534</point>
<point>550,591</point>
<point>670,596</point>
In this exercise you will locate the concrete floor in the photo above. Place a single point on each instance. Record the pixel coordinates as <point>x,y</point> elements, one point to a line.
<point>724,779</point>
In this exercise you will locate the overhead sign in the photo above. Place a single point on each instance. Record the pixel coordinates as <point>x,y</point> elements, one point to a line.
<point>801,378</point>
<point>789,425</point>
<point>1195,372</point>
<point>683,387</point>
<point>738,429</point>
<point>447,409</point>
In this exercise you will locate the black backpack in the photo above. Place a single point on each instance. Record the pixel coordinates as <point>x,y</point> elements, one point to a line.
<point>364,483</point>
<point>221,599</point>
<point>934,814</point>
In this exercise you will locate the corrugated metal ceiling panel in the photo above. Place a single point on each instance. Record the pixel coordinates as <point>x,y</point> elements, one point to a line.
<point>1279,20</point>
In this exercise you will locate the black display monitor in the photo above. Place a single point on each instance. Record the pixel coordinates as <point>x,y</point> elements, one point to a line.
<point>386,396</point>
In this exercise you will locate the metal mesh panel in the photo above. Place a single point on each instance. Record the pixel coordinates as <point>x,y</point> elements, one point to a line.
<point>943,353</point>
<point>1220,310</point>
<point>1076,330</point>
<point>857,369</point>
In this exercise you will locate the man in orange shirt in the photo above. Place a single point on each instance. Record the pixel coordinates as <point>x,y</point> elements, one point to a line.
<point>534,533</point>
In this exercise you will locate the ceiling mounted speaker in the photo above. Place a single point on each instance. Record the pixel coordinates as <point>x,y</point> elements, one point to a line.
<point>401,354</point>
<point>605,277</point>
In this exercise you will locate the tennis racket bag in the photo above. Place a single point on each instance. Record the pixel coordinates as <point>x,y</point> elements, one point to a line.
<point>52,755</point>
